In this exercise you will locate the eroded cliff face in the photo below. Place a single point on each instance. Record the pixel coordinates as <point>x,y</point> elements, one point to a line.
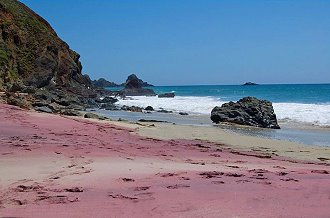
<point>31,51</point>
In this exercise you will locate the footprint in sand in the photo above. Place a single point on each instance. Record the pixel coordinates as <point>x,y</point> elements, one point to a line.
<point>320,171</point>
<point>279,167</point>
<point>290,179</point>
<point>218,182</point>
<point>120,196</point>
<point>127,179</point>
<point>211,174</point>
<point>177,186</point>
<point>141,188</point>
<point>234,175</point>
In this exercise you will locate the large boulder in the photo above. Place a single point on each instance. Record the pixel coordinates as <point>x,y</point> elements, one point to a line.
<point>247,111</point>
<point>133,87</point>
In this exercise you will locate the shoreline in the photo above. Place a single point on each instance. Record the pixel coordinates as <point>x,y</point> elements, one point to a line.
<point>294,132</point>
<point>63,166</point>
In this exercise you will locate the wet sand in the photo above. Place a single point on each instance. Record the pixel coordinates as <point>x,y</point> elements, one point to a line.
<point>53,166</point>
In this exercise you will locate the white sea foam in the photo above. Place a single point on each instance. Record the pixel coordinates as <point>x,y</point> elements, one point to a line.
<point>317,114</point>
<point>195,105</point>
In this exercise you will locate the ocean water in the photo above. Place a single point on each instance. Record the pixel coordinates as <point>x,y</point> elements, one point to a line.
<point>297,103</point>
<point>303,111</point>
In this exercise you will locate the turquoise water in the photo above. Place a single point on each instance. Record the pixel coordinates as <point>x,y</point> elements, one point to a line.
<point>303,111</point>
<point>297,93</point>
<point>293,93</point>
<point>306,103</point>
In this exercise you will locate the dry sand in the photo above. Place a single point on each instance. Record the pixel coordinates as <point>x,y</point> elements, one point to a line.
<point>53,166</point>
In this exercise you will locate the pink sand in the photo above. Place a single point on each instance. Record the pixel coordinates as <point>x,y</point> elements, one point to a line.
<point>54,166</point>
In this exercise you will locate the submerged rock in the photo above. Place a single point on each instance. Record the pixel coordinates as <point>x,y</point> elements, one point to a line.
<point>164,111</point>
<point>167,95</point>
<point>247,111</point>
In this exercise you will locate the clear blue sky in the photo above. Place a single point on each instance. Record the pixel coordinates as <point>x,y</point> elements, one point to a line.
<point>174,42</point>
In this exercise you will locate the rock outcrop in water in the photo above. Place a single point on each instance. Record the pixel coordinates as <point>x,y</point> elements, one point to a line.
<point>247,111</point>
<point>133,87</point>
<point>167,95</point>
<point>250,84</point>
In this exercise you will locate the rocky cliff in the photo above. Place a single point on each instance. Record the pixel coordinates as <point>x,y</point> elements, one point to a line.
<point>31,52</point>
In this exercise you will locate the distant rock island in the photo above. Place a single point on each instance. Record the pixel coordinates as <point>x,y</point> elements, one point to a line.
<point>105,83</point>
<point>250,84</point>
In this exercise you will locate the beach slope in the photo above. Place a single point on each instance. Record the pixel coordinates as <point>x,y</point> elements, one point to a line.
<point>55,166</point>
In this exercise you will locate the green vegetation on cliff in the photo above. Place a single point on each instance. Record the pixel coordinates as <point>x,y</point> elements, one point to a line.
<point>31,51</point>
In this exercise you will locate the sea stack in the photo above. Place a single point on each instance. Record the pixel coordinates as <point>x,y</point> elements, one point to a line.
<point>133,87</point>
<point>248,111</point>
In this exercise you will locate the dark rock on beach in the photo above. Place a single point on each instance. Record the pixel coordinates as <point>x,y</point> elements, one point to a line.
<point>133,87</point>
<point>164,111</point>
<point>110,107</point>
<point>107,99</point>
<point>94,116</point>
<point>248,111</point>
<point>152,121</point>
<point>167,95</point>
<point>68,112</point>
<point>183,113</point>
<point>44,109</point>
<point>132,108</point>
<point>149,108</point>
